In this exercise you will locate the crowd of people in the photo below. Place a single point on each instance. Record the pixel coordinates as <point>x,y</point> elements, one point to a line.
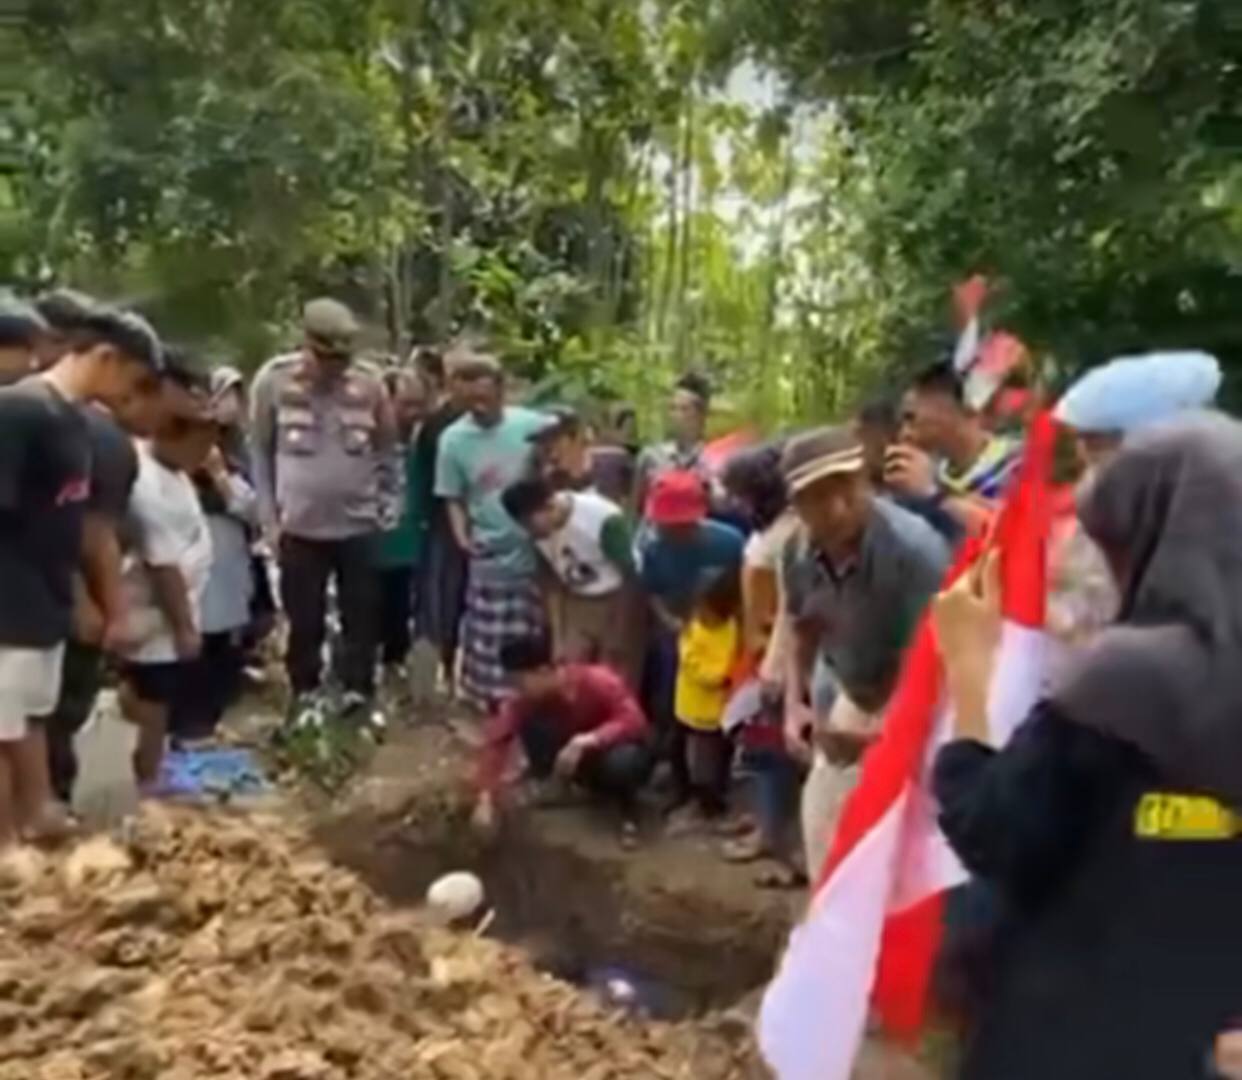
<point>646,619</point>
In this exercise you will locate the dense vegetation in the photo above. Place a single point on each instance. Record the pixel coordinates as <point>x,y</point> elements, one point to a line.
<point>779,192</point>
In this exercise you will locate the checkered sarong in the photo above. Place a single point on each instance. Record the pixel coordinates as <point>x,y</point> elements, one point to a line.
<point>496,611</point>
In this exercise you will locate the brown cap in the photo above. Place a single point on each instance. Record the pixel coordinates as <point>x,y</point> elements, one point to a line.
<point>332,323</point>
<point>819,454</point>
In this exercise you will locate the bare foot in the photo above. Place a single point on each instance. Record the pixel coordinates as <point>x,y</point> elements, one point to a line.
<point>52,826</point>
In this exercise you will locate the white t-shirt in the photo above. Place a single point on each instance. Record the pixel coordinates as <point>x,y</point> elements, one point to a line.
<point>575,552</point>
<point>169,529</point>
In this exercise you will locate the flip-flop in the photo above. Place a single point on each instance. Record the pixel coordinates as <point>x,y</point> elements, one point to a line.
<point>781,877</point>
<point>629,836</point>
<point>743,849</point>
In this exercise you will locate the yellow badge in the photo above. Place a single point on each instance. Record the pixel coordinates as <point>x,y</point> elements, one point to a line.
<point>1163,815</point>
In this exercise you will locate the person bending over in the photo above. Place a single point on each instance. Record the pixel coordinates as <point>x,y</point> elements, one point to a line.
<point>576,721</point>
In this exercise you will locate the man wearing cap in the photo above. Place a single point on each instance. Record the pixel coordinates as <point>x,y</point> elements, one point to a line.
<point>857,576</point>
<point>681,552</point>
<point>327,477</point>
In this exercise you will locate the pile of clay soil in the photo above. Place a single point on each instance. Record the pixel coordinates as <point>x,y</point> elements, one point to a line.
<point>224,946</point>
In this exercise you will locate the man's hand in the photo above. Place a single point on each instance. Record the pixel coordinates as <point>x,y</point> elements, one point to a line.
<point>843,747</point>
<point>484,818</point>
<point>88,621</point>
<point>570,757</point>
<point>799,723</point>
<point>114,640</point>
<point>216,467</point>
<point>271,535</point>
<point>910,471</point>
<point>188,643</point>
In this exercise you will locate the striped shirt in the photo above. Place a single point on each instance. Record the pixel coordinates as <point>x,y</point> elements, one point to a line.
<point>988,475</point>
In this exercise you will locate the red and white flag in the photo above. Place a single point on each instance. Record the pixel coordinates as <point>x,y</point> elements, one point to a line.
<point>872,931</point>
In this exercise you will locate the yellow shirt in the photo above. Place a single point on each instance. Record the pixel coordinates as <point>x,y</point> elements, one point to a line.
<point>706,656</point>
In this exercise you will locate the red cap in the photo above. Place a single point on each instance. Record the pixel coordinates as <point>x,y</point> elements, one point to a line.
<point>677,498</point>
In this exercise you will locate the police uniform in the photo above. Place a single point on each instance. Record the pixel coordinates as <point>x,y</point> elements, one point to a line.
<point>327,478</point>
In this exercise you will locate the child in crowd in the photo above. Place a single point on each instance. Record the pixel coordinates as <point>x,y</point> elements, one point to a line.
<point>708,650</point>
<point>212,681</point>
<point>167,569</point>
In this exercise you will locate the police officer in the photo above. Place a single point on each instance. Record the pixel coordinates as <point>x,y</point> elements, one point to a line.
<point>325,472</point>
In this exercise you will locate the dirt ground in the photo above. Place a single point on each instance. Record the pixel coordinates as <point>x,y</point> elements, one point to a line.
<point>288,942</point>
<point>672,913</point>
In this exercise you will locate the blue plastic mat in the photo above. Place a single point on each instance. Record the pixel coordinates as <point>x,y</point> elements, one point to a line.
<point>211,773</point>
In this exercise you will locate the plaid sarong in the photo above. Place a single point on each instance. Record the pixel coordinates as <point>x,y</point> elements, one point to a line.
<point>497,610</point>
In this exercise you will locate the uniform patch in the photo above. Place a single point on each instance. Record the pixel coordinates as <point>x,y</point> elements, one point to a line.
<point>1164,815</point>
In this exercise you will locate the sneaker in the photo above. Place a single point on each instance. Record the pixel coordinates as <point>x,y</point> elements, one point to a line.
<point>360,710</point>
<point>305,710</point>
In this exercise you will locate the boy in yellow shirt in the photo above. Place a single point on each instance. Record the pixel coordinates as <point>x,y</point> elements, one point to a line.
<point>708,649</point>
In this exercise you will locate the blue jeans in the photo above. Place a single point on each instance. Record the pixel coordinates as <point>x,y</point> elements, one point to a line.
<point>778,781</point>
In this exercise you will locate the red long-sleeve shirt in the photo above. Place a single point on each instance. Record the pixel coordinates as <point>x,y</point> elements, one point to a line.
<point>592,698</point>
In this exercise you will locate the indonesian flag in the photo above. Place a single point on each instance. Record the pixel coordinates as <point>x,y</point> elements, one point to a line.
<point>873,926</point>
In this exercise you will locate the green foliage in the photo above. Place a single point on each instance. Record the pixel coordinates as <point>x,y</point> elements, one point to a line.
<point>1085,156</point>
<point>573,177</point>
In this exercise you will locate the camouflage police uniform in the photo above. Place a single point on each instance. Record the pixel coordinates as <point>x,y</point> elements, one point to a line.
<point>327,476</point>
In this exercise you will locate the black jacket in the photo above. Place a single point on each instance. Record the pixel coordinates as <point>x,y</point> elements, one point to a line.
<point>1118,954</point>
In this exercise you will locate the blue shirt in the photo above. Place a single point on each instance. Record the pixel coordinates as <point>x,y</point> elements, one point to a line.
<point>675,571</point>
<point>474,466</point>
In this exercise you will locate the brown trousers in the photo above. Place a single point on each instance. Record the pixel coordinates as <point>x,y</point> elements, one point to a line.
<point>600,630</point>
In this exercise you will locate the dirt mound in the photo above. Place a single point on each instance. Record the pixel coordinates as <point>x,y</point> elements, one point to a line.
<point>226,946</point>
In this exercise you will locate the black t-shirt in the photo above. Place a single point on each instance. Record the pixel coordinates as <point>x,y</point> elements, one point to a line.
<point>45,463</point>
<point>114,464</point>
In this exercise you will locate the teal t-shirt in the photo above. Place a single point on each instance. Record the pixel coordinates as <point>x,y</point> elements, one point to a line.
<point>474,466</point>
<point>403,546</point>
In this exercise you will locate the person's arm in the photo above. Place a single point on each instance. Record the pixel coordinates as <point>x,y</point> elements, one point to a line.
<point>238,497</point>
<point>1020,816</point>
<point>459,522</point>
<point>451,487</point>
<point>800,663</point>
<point>616,540</point>
<point>172,597</point>
<point>912,473</point>
<point>101,570</point>
<point>389,462</point>
<point>759,605</point>
<point>263,446</point>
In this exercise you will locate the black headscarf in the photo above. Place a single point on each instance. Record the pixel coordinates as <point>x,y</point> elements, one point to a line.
<point>1167,677</point>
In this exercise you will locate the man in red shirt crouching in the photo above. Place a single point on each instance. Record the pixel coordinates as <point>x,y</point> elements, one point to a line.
<point>577,721</point>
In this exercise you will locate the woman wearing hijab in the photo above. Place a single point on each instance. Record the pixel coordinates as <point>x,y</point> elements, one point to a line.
<point>1108,824</point>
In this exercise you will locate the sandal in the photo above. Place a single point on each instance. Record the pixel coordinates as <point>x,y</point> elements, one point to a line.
<point>55,825</point>
<point>629,836</point>
<point>731,826</point>
<point>744,849</point>
<point>781,877</point>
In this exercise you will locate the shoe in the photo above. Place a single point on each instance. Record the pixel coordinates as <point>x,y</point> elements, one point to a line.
<point>360,710</point>
<point>305,710</point>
